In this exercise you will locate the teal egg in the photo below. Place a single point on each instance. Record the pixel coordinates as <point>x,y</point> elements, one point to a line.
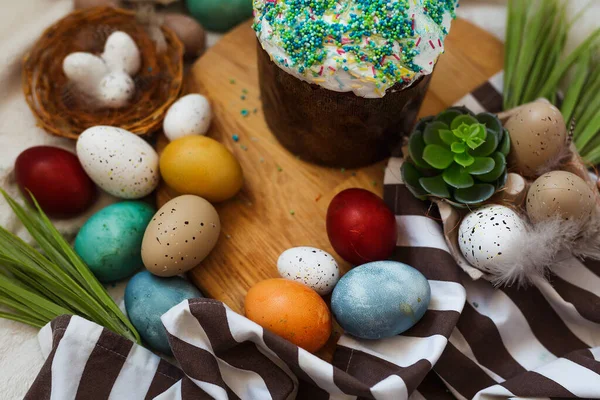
<point>380,299</point>
<point>148,297</point>
<point>220,15</point>
<point>110,242</point>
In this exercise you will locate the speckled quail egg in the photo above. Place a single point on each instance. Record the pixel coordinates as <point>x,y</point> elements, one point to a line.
<point>190,115</point>
<point>180,235</point>
<point>488,233</point>
<point>313,267</point>
<point>538,135</point>
<point>560,194</point>
<point>121,163</point>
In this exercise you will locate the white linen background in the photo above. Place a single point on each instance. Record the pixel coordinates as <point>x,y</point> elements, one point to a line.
<point>21,22</point>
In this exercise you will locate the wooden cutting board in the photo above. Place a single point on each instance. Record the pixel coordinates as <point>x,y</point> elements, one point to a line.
<point>284,200</point>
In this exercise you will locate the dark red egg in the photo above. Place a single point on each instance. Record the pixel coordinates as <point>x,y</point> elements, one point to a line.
<point>56,179</point>
<point>361,228</point>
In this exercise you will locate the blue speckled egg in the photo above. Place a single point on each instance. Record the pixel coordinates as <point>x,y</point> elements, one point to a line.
<point>110,242</point>
<point>380,299</point>
<point>148,297</point>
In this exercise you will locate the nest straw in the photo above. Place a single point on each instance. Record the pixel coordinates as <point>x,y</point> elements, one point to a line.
<point>50,95</point>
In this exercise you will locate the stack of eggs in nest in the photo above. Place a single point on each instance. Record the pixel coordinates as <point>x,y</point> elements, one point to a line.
<point>515,242</point>
<point>365,301</point>
<point>105,81</point>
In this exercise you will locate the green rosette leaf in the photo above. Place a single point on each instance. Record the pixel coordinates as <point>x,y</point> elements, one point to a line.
<point>470,151</point>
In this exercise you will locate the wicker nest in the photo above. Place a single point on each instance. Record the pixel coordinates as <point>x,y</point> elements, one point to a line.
<point>51,96</point>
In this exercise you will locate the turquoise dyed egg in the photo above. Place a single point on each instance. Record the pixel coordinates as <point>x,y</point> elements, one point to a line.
<point>380,299</point>
<point>220,15</point>
<point>148,297</point>
<point>110,242</point>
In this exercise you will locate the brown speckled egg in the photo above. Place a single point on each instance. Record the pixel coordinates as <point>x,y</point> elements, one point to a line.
<point>180,235</point>
<point>562,194</point>
<point>538,135</point>
<point>189,31</point>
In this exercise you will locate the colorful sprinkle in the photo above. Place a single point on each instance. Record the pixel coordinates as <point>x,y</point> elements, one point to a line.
<point>235,138</point>
<point>244,113</point>
<point>383,36</point>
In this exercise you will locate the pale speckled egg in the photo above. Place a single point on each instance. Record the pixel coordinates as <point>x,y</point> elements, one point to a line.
<point>181,234</point>
<point>115,90</point>
<point>122,54</point>
<point>489,232</point>
<point>118,161</point>
<point>190,115</point>
<point>315,268</point>
<point>538,135</point>
<point>560,194</point>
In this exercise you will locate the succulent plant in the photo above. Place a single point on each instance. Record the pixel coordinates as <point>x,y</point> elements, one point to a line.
<point>458,156</point>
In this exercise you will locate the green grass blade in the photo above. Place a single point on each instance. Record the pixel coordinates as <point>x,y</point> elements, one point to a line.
<point>576,87</point>
<point>63,272</point>
<point>528,50</point>
<point>560,70</point>
<point>22,319</point>
<point>44,307</point>
<point>592,110</point>
<point>549,44</point>
<point>514,33</point>
<point>21,309</point>
<point>591,89</point>
<point>589,131</point>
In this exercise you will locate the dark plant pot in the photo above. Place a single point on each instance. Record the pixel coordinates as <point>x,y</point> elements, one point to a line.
<point>333,128</point>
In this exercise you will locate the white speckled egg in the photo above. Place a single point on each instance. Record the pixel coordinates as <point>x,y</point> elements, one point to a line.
<point>122,54</point>
<point>313,267</point>
<point>118,161</point>
<point>181,234</point>
<point>85,70</point>
<point>489,232</point>
<point>190,115</point>
<point>115,90</point>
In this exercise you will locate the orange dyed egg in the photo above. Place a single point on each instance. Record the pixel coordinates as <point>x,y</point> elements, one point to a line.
<point>291,310</point>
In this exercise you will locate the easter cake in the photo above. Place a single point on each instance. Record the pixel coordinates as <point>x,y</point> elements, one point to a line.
<point>342,81</point>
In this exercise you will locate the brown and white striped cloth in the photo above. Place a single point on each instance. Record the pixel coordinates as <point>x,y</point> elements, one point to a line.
<point>474,342</point>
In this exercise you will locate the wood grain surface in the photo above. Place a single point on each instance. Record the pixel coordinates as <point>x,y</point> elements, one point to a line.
<point>284,200</point>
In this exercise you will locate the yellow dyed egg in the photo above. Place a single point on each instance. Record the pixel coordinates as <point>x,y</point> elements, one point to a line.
<point>201,166</point>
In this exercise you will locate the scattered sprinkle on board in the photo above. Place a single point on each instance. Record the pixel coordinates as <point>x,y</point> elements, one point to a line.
<point>235,138</point>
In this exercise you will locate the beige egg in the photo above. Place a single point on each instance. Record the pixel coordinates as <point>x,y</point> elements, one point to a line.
<point>189,31</point>
<point>79,4</point>
<point>181,234</point>
<point>538,135</point>
<point>562,194</point>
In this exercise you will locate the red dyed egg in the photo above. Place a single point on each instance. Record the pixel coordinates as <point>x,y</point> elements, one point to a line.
<point>56,179</point>
<point>361,228</point>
